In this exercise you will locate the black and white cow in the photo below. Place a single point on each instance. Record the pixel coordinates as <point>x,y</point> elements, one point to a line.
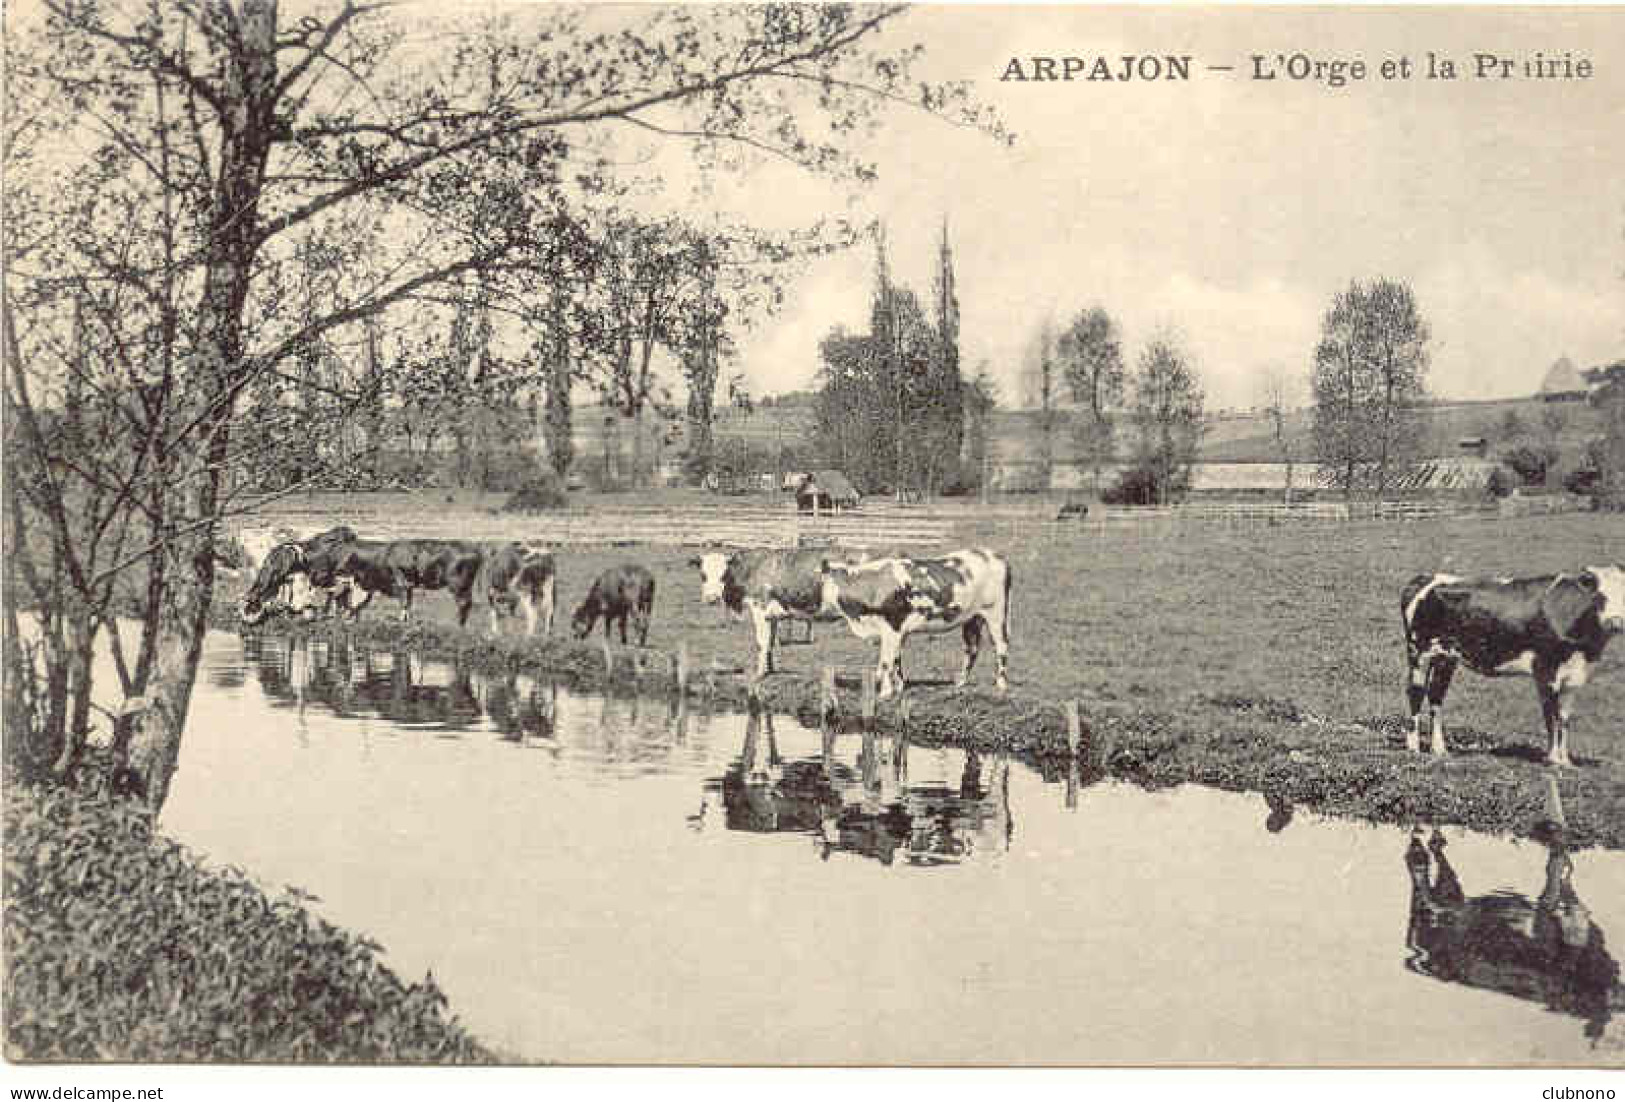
<point>767,586</point>
<point>618,594</point>
<point>1552,627</point>
<point>890,599</point>
<point>284,574</point>
<point>517,576</point>
<point>398,568</point>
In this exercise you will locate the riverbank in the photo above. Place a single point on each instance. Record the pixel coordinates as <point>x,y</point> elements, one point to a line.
<point>122,946</point>
<point>1269,660</point>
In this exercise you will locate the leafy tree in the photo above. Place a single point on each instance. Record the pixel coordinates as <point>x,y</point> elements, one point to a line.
<point>1166,411</point>
<point>1090,354</point>
<point>1369,379</point>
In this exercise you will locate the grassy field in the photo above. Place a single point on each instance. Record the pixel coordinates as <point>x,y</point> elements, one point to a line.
<point>1268,659</point>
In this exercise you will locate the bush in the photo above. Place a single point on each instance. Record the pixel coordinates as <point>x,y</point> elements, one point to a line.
<point>1133,486</point>
<point>121,946</point>
<point>1531,462</point>
<point>541,493</point>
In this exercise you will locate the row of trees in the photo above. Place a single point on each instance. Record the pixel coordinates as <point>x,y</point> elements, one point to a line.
<point>238,241</point>
<point>1153,416</point>
<point>893,407</point>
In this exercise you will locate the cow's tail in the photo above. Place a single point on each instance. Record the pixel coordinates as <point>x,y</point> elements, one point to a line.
<point>1007,602</point>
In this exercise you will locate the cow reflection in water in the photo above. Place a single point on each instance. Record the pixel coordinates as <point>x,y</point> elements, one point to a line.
<point>1545,950</point>
<point>872,811</point>
<point>400,687</point>
<point>518,704</point>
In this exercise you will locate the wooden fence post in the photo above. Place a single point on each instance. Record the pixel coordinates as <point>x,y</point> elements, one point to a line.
<point>609,659</point>
<point>682,666</point>
<point>869,690</point>
<point>828,704</point>
<point>1074,728</point>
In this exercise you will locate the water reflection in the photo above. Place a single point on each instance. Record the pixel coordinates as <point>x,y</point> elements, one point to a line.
<point>453,698</point>
<point>1546,950</point>
<point>868,807</point>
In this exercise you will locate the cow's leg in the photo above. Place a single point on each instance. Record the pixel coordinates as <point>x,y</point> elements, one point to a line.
<point>1415,693</point>
<point>972,631</point>
<point>626,614</point>
<point>1569,679</point>
<point>528,602</point>
<point>891,650</point>
<point>763,628</point>
<point>1442,670</point>
<point>996,629</point>
<point>547,606</point>
<point>406,603</point>
<point>465,605</point>
<point>1446,885</point>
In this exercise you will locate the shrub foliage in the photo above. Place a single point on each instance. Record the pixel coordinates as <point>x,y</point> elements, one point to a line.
<point>121,946</point>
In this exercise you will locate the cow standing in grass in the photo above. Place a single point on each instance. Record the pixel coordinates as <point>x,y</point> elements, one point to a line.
<point>618,594</point>
<point>285,573</point>
<point>766,586</point>
<point>361,569</point>
<point>890,599</point>
<point>1552,627</point>
<point>517,576</point>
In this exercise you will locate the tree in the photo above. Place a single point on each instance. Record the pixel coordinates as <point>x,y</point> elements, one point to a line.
<point>981,399</point>
<point>245,131</point>
<point>1279,396</point>
<point>1090,354</point>
<point>891,407</point>
<point>1039,378</point>
<point>1167,415</point>
<point>1369,379</point>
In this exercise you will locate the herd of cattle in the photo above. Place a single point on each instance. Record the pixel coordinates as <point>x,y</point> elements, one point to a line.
<point>1550,627</point>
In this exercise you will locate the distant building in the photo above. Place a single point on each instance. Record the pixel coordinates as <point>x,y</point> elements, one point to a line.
<point>1563,383</point>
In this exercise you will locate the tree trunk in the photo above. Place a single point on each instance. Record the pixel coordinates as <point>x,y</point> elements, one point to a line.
<point>249,84</point>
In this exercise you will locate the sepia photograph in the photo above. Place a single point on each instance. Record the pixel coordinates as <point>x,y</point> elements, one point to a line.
<point>812,536</point>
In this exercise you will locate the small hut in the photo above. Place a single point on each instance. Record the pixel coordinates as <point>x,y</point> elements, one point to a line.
<point>826,492</point>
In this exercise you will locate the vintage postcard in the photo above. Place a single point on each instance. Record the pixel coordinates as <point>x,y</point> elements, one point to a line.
<point>813,535</point>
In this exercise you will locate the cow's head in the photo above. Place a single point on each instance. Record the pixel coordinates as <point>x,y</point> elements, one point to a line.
<point>716,575</point>
<point>1610,587</point>
<point>283,563</point>
<point>586,614</point>
<point>1596,594</point>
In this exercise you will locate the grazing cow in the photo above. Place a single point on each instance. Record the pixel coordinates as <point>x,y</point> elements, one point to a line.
<point>616,594</point>
<point>768,586</point>
<point>286,571</point>
<point>1546,950</point>
<point>1552,627</point>
<point>516,575</point>
<point>890,599</point>
<point>397,568</point>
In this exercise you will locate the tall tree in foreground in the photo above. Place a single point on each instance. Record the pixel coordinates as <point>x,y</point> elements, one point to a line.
<point>1167,414</point>
<point>1369,380</point>
<point>1090,352</point>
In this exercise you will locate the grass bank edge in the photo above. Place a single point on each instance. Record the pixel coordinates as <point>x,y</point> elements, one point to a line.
<point>1355,768</point>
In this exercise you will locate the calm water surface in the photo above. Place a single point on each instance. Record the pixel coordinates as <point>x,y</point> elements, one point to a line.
<point>615,879</point>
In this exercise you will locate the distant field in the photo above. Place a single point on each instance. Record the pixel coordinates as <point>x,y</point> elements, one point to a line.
<point>1235,438</point>
<point>1291,635</point>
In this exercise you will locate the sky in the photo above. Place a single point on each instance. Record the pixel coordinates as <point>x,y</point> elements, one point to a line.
<point>1230,210</point>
